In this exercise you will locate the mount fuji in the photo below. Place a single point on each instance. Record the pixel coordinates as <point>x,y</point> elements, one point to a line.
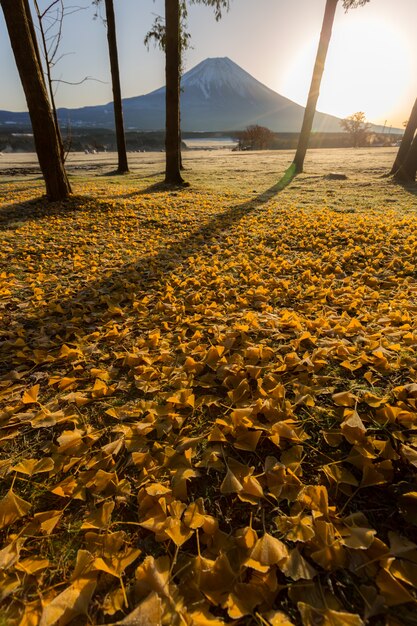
<point>217,95</point>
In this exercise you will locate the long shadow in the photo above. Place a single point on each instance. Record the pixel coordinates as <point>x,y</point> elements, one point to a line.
<point>154,188</point>
<point>158,187</point>
<point>37,208</point>
<point>90,303</point>
<point>132,174</point>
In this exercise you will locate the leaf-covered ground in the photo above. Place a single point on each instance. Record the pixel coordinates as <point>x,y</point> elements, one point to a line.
<point>209,399</point>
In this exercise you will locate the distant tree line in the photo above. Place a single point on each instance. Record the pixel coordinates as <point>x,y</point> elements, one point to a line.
<point>171,34</point>
<point>357,134</point>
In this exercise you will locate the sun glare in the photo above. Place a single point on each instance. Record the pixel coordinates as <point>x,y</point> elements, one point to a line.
<point>367,69</point>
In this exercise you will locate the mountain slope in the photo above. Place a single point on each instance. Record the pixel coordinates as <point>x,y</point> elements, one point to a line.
<point>218,95</point>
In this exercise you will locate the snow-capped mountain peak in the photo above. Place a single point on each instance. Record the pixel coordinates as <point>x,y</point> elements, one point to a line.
<point>217,74</point>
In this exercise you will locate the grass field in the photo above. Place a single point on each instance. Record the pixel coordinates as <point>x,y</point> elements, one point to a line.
<point>209,394</point>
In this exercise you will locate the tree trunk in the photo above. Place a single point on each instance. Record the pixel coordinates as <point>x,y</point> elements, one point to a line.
<point>122,167</point>
<point>313,95</point>
<point>172,100</point>
<point>406,173</point>
<point>20,28</point>
<point>48,65</point>
<point>406,141</point>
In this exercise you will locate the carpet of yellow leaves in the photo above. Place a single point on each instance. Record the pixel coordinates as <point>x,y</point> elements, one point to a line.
<point>209,406</point>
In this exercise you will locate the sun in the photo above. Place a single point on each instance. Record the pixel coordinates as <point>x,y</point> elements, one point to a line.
<point>367,69</point>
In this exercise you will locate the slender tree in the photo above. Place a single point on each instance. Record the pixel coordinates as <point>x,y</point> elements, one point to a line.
<point>49,55</point>
<point>406,141</point>
<point>172,38</point>
<point>314,92</point>
<point>157,34</point>
<point>122,167</point>
<point>172,92</point>
<point>21,32</point>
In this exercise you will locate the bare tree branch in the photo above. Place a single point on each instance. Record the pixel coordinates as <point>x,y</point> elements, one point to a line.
<point>67,82</point>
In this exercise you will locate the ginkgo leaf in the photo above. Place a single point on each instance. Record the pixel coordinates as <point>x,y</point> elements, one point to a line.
<point>297,527</point>
<point>99,518</point>
<point>246,538</point>
<point>47,521</point>
<point>34,466</point>
<point>352,427</point>
<point>242,601</point>
<point>195,515</point>
<point>230,484</point>
<point>31,395</point>
<point>148,613</point>
<point>12,508</point>
<point>296,567</point>
<point>267,551</point>
<point>393,592</point>
<point>33,565</point>
<point>10,554</point>
<point>327,617</point>
<point>69,604</point>
<point>316,498</point>
<point>358,538</point>
<point>153,575</point>
<point>344,398</point>
<point>177,531</point>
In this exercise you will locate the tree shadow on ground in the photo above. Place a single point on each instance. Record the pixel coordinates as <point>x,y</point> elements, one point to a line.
<point>143,273</point>
<point>158,187</point>
<point>410,188</point>
<point>40,207</point>
<point>132,174</point>
<point>161,186</point>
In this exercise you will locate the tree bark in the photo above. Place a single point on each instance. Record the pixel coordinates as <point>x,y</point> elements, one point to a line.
<point>122,167</point>
<point>406,141</point>
<point>20,28</point>
<point>313,95</point>
<point>407,172</point>
<point>172,99</point>
<point>48,65</point>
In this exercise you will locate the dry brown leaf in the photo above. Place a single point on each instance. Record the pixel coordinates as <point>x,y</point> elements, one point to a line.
<point>34,466</point>
<point>70,603</point>
<point>31,395</point>
<point>267,551</point>
<point>327,617</point>
<point>12,508</point>
<point>148,613</point>
<point>230,484</point>
<point>296,567</point>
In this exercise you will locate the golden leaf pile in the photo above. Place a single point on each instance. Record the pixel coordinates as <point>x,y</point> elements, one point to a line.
<point>208,409</point>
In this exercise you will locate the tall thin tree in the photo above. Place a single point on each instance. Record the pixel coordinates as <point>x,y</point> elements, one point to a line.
<point>172,92</point>
<point>157,34</point>
<point>314,92</point>
<point>122,167</point>
<point>49,55</point>
<point>174,38</point>
<point>21,32</point>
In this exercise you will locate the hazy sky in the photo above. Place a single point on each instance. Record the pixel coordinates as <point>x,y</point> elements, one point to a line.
<point>372,60</point>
